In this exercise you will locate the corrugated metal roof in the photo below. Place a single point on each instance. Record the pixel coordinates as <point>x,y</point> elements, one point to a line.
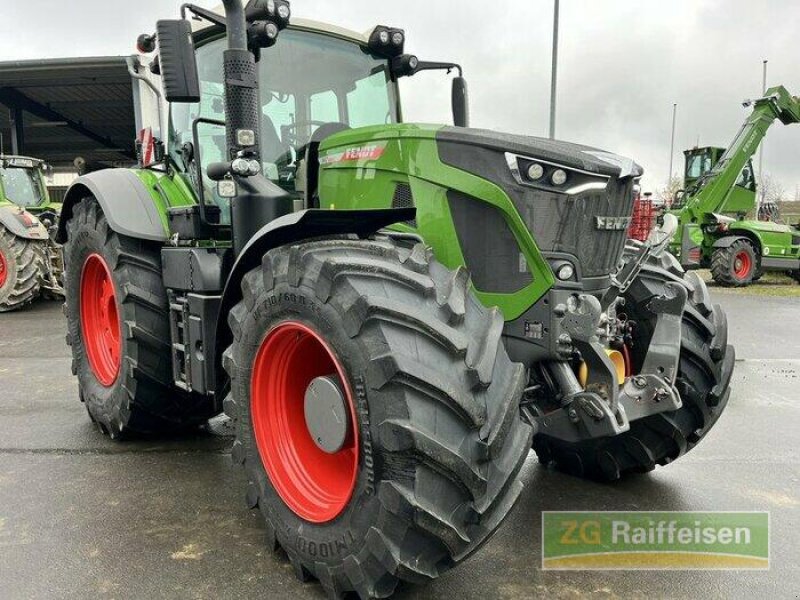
<point>94,92</point>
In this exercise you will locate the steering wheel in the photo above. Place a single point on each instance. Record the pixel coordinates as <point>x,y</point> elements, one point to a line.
<point>289,132</point>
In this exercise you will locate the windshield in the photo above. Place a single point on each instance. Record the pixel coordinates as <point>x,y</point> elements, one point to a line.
<point>698,165</point>
<point>21,186</point>
<point>306,81</point>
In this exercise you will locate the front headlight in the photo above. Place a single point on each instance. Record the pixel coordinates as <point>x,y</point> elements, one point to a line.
<point>559,177</point>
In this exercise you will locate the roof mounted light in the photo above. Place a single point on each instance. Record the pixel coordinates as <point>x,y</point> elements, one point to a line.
<point>276,11</point>
<point>387,41</point>
<point>266,19</point>
<point>405,65</point>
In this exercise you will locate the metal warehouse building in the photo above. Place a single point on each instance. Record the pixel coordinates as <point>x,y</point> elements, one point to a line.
<point>61,110</point>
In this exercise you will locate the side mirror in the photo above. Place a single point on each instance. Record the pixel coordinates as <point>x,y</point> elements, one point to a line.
<point>177,61</point>
<point>460,102</point>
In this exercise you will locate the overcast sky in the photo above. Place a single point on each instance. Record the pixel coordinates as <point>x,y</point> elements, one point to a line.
<point>623,62</point>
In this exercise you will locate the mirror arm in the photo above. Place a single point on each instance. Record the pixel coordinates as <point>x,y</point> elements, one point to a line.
<point>203,13</point>
<point>438,66</point>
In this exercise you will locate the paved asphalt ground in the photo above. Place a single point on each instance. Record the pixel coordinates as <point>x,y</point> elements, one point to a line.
<point>82,517</point>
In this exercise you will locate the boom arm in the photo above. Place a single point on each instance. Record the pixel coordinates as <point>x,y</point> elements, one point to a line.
<point>713,189</point>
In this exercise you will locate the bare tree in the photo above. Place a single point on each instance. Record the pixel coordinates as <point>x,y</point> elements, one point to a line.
<point>772,190</point>
<point>667,194</point>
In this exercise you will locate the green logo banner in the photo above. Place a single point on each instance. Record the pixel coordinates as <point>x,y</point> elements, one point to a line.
<point>655,540</point>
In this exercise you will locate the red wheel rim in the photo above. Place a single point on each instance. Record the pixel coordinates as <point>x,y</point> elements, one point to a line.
<point>742,263</point>
<point>3,270</point>
<point>100,320</point>
<point>315,485</point>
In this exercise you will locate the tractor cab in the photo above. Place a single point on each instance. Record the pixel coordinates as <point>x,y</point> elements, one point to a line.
<point>316,80</point>
<point>22,183</point>
<point>310,80</point>
<point>701,162</point>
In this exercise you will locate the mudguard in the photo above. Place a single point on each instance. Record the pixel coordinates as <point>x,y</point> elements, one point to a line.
<point>125,200</point>
<point>729,240</point>
<point>22,224</point>
<point>289,229</point>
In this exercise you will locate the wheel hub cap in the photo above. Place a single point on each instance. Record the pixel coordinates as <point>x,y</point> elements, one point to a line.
<point>304,422</point>
<point>100,320</point>
<point>326,414</point>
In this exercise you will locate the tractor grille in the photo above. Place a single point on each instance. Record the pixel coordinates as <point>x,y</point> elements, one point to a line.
<point>559,223</point>
<point>569,224</point>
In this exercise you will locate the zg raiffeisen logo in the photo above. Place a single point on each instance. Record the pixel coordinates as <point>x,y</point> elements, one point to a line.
<point>655,540</point>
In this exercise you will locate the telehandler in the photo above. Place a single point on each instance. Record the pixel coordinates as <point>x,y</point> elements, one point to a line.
<point>391,314</point>
<point>30,260</point>
<point>714,231</point>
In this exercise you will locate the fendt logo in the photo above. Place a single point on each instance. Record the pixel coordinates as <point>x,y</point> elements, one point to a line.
<point>356,154</point>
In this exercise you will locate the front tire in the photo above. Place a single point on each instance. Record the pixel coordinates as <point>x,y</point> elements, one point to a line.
<point>703,381</point>
<point>22,264</point>
<point>118,329</point>
<point>436,440</point>
<point>736,265</point>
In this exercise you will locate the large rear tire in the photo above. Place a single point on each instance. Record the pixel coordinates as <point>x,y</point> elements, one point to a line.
<point>118,328</point>
<point>22,264</point>
<point>703,381</point>
<point>429,467</point>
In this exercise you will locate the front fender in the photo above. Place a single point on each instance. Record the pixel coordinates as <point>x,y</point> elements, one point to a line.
<point>290,229</point>
<point>22,224</point>
<point>126,202</point>
<point>729,240</point>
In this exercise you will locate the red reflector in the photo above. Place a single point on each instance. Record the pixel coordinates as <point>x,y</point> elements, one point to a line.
<point>27,220</point>
<point>147,145</point>
<point>695,255</point>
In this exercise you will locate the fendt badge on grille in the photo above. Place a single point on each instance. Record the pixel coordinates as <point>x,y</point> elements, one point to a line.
<point>613,223</point>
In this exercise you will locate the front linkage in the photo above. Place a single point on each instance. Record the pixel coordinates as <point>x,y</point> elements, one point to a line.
<point>605,406</point>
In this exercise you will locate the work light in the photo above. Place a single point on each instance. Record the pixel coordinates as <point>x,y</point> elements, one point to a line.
<point>277,11</point>
<point>566,272</point>
<point>387,41</point>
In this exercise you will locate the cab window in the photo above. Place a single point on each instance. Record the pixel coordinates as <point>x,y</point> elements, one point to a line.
<point>306,80</point>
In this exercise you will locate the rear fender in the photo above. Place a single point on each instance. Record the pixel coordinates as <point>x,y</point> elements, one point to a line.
<point>22,224</point>
<point>127,204</point>
<point>289,229</point>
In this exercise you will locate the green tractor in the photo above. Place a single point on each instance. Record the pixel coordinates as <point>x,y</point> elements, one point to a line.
<point>30,261</point>
<point>714,231</point>
<point>391,314</point>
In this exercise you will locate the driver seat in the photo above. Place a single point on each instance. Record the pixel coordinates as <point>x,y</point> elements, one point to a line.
<point>271,144</point>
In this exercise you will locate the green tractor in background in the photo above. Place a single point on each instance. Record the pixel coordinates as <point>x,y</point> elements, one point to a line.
<point>392,315</point>
<point>30,260</point>
<point>714,231</point>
